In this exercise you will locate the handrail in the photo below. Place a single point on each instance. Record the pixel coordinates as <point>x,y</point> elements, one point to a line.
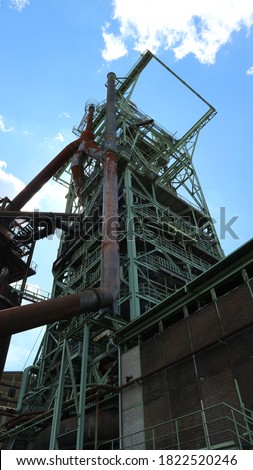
<point>241,432</point>
<point>172,248</point>
<point>30,292</point>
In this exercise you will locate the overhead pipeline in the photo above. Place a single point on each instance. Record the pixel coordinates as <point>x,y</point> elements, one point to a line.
<point>43,177</point>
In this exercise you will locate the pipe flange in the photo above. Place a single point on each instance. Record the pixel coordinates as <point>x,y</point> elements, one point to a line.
<point>98,293</point>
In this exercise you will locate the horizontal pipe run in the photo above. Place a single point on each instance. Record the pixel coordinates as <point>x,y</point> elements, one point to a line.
<point>44,176</point>
<point>16,319</point>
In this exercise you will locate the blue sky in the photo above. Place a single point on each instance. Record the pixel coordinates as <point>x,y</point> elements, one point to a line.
<point>55,55</point>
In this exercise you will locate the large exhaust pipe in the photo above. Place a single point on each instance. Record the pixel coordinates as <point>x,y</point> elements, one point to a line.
<point>17,319</point>
<point>49,171</point>
<point>110,283</point>
<point>43,177</point>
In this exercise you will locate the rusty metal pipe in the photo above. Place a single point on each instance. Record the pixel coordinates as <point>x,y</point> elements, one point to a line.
<point>110,246</point>
<point>90,118</point>
<point>17,319</point>
<point>110,130</point>
<point>110,249</point>
<point>43,177</point>
<point>48,172</point>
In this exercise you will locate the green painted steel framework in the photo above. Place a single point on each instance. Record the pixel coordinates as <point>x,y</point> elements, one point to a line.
<point>167,239</point>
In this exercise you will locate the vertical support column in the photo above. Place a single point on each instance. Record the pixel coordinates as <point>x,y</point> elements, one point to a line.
<point>131,249</point>
<point>56,422</point>
<point>83,385</point>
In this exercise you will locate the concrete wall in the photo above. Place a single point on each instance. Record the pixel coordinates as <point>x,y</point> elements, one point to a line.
<point>132,403</point>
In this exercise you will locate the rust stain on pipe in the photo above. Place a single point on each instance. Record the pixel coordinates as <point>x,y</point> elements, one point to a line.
<point>110,246</point>
<point>17,319</point>
<point>44,176</point>
<point>90,118</point>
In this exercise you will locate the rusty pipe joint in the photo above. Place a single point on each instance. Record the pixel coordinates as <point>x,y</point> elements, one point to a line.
<point>105,296</point>
<point>109,149</point>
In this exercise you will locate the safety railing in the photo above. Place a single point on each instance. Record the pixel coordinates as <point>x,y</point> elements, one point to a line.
<point>162,215</point>
<point>31,293</point>
<point>219,426</point>
<point>153,293</point>
<point>172,248</point>
<point>158,263</point>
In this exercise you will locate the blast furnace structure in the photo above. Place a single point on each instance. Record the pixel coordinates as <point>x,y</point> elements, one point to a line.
<point>137,258</point>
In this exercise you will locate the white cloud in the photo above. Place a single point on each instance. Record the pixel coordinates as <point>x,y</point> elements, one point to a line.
<point>114,46</point>
<point>198,27</point>
<point>3,127</point>
<point>250,71</point>
<point>64,115</point>
<point>50,197</point>
<point>18,4</point>
<point>10,184</point>
<point>59,137</point>
<point>28,133</point>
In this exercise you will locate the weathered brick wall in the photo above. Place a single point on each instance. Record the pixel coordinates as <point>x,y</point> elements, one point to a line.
<point>205,359</point>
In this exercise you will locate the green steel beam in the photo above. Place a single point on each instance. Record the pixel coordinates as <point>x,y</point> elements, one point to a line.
<point>55,429</point>
<point>131,249</point>
<point>82,393</point>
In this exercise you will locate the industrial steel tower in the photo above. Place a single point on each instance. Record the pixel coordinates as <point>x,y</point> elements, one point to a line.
<point>136,230</point>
